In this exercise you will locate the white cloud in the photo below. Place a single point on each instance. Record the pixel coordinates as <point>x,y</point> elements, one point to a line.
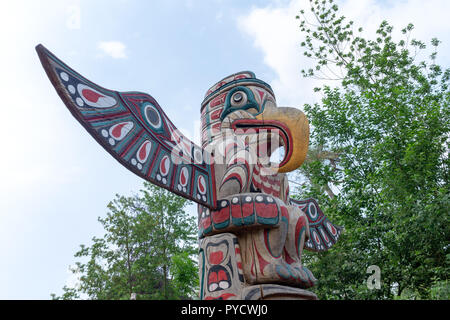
<point>276,32</point>
<point>114,49</point>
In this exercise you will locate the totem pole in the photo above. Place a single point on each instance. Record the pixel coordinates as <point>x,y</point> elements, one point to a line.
<point>251,234</point>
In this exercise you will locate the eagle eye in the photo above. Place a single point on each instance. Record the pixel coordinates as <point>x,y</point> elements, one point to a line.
<point>238,99</point>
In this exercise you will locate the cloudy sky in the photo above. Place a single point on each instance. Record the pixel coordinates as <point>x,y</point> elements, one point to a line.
<point>55,180</point>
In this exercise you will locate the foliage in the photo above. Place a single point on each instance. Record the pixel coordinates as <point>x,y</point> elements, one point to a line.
<point>185,274</point>
<point>440,290</point>
<point>148,237</point>
<point>378,160</point>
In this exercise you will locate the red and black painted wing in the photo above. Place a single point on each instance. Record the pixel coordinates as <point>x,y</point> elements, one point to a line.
<point>134,129</point>
<point>324,234</point>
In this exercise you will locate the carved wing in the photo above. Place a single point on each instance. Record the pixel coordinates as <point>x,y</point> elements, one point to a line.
<point>324,234</point>
<point>134,129</point>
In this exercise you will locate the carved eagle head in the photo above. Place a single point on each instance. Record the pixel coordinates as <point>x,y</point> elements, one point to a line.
<point>243,107</point>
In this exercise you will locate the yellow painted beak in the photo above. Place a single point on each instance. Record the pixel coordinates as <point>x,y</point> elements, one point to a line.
<point>294,126</point>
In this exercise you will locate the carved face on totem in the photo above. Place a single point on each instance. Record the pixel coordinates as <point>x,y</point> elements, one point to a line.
<point>242,126</point>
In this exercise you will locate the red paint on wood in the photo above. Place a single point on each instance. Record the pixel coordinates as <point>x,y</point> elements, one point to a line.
<point>266,210</point>
<point>91,95</point>
<point>216,257</point>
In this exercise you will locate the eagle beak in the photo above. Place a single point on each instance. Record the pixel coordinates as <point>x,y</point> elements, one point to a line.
<point>293,129</point>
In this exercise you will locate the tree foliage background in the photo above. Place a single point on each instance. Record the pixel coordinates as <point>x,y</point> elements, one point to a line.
<point>378,159</point>
<point>145,253</point>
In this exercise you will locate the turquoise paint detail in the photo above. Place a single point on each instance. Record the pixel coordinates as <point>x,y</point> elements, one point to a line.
<point>249,220</point>
<point>202,281</point>
<point>237,221</point>
<point>177,177</point>
<point>251,102</point>
<point>302,230</point>
<point>247,80</point>
<point>222,225</point>
<point>268,221</point>
<point>142,109</point>
<point>122,144</point>
<point>206,231</point>
<point>281,271</point>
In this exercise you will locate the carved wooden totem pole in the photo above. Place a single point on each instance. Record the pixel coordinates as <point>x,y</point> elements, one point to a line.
<point>251,234</point>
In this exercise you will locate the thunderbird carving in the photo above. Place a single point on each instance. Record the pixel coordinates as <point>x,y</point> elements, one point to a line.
<point>251,234</point>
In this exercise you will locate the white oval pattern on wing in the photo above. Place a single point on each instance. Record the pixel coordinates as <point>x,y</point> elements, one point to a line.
<point>95,98</point>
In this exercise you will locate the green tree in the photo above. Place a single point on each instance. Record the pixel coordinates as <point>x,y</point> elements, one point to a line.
<point>185,274</point>
<point>144,236</point>
<point>378,160</point>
